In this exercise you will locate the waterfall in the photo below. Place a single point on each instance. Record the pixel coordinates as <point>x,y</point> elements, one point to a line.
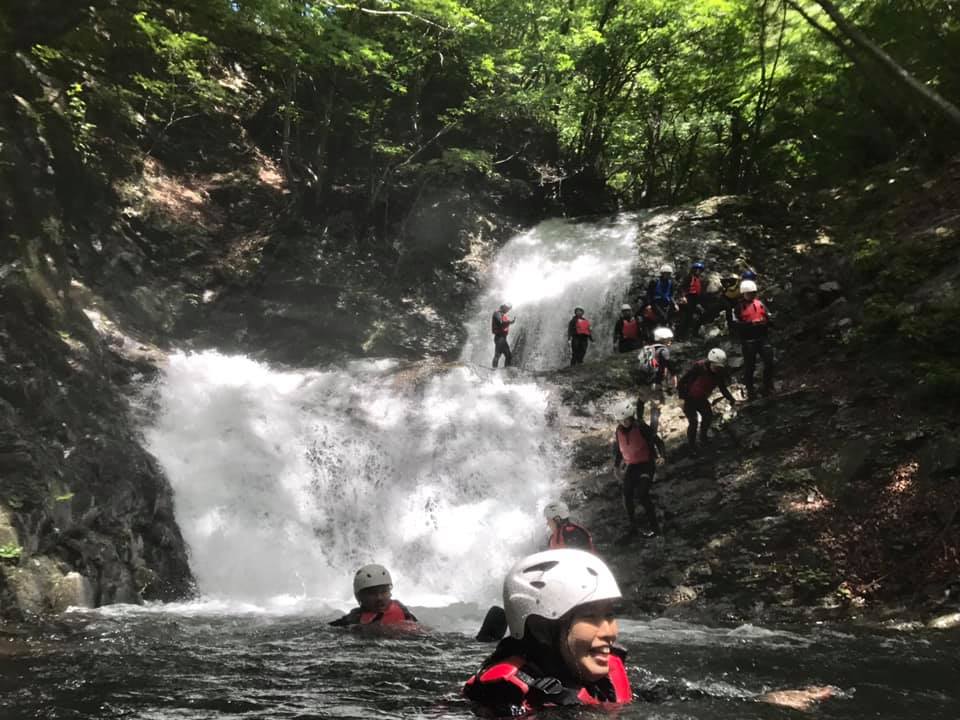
<point>286,480</point>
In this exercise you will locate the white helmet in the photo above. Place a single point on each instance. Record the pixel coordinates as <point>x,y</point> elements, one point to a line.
<point>717,357</point>
<point>626,306</point>
<point>550,584</point>
<point>371,576</point>
<point>628,411</point>
<point>748,286</point>
<point>662,333</point>
<point>666,268</point>
<point>506,306</point>
<point>557,509</point>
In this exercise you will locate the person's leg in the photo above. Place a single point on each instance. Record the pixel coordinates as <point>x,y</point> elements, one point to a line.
<point>644,484</point>
<point>507,355</point>
<point>706,418</point>
<point>496,351</point>
<point>749,365</point>
<point>690,410</point>
<point>655,404</point>
<point>766,353</point>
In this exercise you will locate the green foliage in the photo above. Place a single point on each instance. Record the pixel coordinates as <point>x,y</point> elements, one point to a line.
<point>10,551</point>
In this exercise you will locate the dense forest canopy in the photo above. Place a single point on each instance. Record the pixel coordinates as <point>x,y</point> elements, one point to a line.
<point>594,102</point>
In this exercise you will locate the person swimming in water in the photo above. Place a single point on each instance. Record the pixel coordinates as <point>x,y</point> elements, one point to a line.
<point>562,651</point>
<point>373,588</point>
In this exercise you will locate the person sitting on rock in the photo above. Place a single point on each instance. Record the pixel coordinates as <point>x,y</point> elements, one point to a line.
<point>626,330</point>
<point>500,327</point>
<point>655,369</point>
<point>578,330</point>
<point>373,588</point>
<point>695,388</point>
<point>635,451</point>
<point>560,608</point>
<point>692,292</point>
<point>564,532</point>
<point>660,295</point>
<point>752,320</point>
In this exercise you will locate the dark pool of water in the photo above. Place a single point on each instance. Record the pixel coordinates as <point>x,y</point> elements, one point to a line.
<point>161,664</point>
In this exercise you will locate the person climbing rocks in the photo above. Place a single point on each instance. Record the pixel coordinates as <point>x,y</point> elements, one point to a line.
<point>635,451</point>
<point>730,297</point>
<point>373,588</point>
<point>752,320</point>
<point>564,532</point>
<point>660,295</point>
<point>561,649</point>
<point>655,371</point>
<point>627,330</point>
<point>692,301</point>
<point>500,327</point>
<point>578,330</point>
<point>694,389</point>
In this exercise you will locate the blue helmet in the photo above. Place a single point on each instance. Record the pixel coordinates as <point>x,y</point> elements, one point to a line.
<point>748,275</point>
<point>697,266</point>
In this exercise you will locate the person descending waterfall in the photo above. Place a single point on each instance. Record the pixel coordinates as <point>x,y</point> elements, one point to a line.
<point>564,532</point>
<point>626,330</point>
<point>692,291</point>
<point>695,388</point>
<point>635,451</point>
<point>578,330</point>
<point>752,320</point>
<point>373,586</point>
<point>660,295</point>
<point>655,369</point>
<point>561,650</point>
<point>500,327</point>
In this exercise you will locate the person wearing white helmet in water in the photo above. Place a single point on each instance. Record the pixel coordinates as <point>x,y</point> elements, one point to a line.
<point>627,330</point>
<point>562,651</point>
<point>578,331</point>
<point>500,327</point>
<point>752,321</point>
<point>655,371</point>
<point>660,294</point>
<point>373,587</point>
<point>635,451</point>
<point>695,388</point>
<point>563,532</point>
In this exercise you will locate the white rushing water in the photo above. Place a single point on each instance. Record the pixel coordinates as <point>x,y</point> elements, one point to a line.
<point>545,273</point>
<point>286,480</point>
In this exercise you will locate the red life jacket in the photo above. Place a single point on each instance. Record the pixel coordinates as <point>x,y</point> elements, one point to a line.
<point>695,286</point>
<point>753,312</point>
<point>582,326</point>
<point>703,384</point>
<point>391,616</point>
<point>630,329</point>
<point>511,671</point>
<point>559,537</point>
<point>504,327</point>
<point>634,446</point>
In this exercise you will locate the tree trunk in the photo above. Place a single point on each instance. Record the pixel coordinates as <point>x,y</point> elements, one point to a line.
<point>919,89</point>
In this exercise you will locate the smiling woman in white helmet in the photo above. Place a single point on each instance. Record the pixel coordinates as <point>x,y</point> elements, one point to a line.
<point>373,589</point>
<point>560,608</point>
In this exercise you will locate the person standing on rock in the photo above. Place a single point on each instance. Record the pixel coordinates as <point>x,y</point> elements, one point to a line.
<point>626,330</point>
<point>695,388</point>
<point>655,370</point>
<point>500,327</point>
<point>635,451</point>
<point>692,292</point>
<point>730,297</point>
<point>578,330</point>
<point>563,532</point>
<point>660,294</point>
<point>752,320</point>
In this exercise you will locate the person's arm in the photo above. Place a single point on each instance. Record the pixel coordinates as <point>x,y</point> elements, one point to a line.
<point>618,331</point>
<point>617,455</point>
<point>351,618</point>
<point>724,390</point>
<point>407,615</point>
<point>572,327</point>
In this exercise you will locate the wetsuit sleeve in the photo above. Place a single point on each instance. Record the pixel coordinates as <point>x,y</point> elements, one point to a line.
<point>495,322</point>
<point>617,455</point>
<point>724,390</point>
<point>618,330</point>
<point>572,327</point>
<point>351,618</point>
<point>662,365</point>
